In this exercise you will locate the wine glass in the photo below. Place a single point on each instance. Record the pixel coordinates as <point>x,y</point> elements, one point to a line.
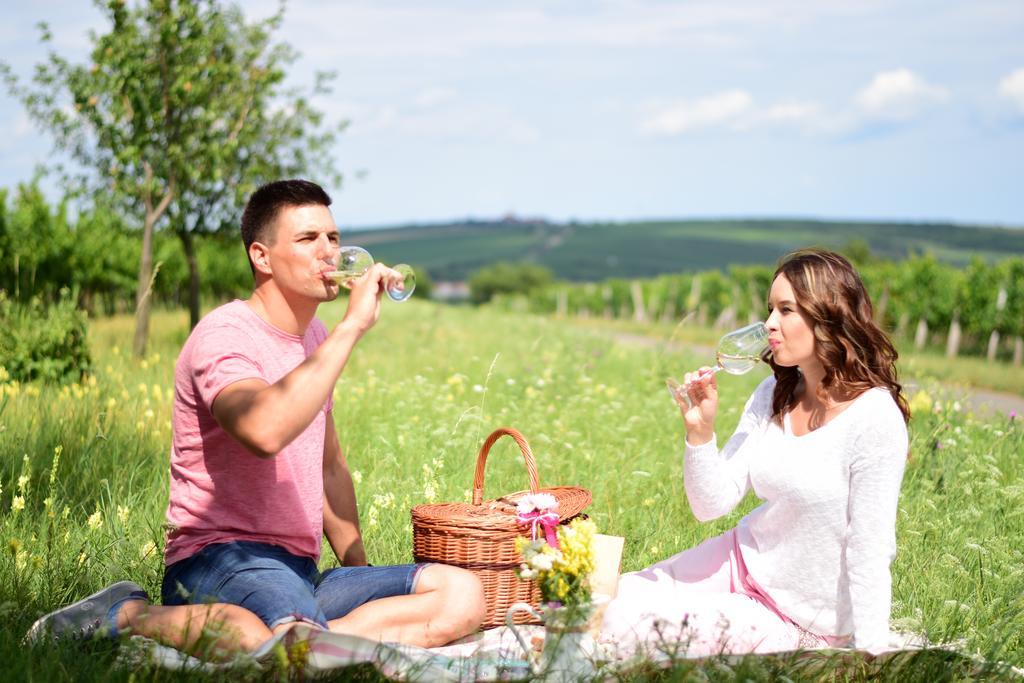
<point>738,353</point>
<point>354,261</point>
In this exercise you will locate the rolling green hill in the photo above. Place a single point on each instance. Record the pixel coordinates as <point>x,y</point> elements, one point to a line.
<point>597,251</point>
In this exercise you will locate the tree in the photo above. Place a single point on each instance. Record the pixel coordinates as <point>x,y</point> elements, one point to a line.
<point>180,113</point>
<point>507,278</point>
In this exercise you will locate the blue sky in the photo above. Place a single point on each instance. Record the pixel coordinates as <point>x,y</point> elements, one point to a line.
<point>629,109</point>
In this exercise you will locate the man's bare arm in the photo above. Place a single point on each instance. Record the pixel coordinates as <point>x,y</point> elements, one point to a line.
<point>341,515</point>
<point>267,417</point>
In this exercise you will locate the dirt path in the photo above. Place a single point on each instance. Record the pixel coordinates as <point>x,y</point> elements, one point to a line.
<point>980,401</point>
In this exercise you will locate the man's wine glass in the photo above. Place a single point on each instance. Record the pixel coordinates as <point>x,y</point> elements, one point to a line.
<point>738,353</point>
<point>354,261</point>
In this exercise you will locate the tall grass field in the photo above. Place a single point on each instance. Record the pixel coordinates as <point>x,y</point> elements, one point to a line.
<point>84,472</point>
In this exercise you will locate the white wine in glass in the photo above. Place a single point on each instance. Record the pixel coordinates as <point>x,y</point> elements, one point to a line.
<point>354,261</point>
<point>738,353</point>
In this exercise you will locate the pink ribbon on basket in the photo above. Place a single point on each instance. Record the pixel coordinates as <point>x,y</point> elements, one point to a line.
<point>540,508</point>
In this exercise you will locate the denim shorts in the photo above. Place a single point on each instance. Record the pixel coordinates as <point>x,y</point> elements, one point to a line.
<point>280,587</point>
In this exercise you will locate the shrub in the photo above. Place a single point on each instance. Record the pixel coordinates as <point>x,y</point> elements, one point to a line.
<point>43,342</point>
<point>507,278</point>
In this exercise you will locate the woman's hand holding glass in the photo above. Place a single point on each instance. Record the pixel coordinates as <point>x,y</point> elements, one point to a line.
<point>697,398</point>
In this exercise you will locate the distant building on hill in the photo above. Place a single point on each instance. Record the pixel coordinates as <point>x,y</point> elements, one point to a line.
<point>450,291</point>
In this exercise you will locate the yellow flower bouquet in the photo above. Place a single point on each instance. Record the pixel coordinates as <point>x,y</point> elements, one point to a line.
<point>561,569</point>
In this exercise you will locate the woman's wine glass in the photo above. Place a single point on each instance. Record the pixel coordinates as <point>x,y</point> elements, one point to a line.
<point>738,353</point>
<point>354,261</point>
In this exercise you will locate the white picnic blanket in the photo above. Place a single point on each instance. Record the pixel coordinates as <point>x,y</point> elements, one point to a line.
<point>493,655</point>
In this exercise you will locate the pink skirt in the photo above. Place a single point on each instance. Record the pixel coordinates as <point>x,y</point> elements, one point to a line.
<point>700,602</point>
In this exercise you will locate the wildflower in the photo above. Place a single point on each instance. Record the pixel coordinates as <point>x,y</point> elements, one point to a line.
<point>147,549</point>
<point>542,562</point>
<point>357,476</point>
<point>23,482</point>
<point>17,504</point>
<point>921,402</point>
<point>479,389</point>
<point>95,520</point>
<point>14,547</point>
<point>510,382</point>
<point>122,513</point>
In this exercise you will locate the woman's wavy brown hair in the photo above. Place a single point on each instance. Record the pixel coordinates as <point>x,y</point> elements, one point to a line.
<point>856,354</point>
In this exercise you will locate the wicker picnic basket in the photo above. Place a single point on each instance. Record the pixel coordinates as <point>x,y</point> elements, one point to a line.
<point>481,536</point>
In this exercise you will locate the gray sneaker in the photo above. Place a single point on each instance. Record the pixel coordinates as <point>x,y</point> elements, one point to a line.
<point>94,615</point>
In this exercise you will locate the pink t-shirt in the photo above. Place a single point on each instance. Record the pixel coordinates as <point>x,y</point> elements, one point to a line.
<point>220,491</point>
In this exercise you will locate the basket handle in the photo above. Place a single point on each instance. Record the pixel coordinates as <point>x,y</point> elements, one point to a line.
<point>481,460</point>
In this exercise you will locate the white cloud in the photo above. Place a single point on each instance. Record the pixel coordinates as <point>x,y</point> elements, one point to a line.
<point>1012,88</point>
<point>798,114</point>
<point>713,110</point>
<point>405,28</point>
<point>899,95</point>
<point>737,110</point>
<point>431,97</point>
<point>467,122</point>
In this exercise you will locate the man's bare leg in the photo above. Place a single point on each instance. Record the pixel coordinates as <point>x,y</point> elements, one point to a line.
<point>448,604</point>
<point>214,631</point>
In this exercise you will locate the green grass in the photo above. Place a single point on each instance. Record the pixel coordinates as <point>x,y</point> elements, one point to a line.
<point>417,399</point>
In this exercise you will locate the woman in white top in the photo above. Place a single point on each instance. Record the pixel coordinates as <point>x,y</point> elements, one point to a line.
<point>823,443</point>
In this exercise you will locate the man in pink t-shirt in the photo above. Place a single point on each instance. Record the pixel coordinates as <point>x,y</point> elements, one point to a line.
<point>258,478</point>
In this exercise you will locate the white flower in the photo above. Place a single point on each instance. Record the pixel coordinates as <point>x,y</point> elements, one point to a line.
<point>542,562</point>
<point>540,502</point>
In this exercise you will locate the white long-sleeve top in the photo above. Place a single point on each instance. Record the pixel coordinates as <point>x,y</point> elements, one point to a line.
<point>821,543</point>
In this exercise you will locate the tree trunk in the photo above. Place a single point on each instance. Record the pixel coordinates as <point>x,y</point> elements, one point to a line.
<point>188,244</point>
<point>953,341</point>
<point>143,296</point>
<point>883,304</point>
<point>637,294</point>
<point>921,336</point>
<point>993,345</point>
<point>562,303</point>
<point>143,299</point>
<point>901,325</point>
<point>1018,351</point>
